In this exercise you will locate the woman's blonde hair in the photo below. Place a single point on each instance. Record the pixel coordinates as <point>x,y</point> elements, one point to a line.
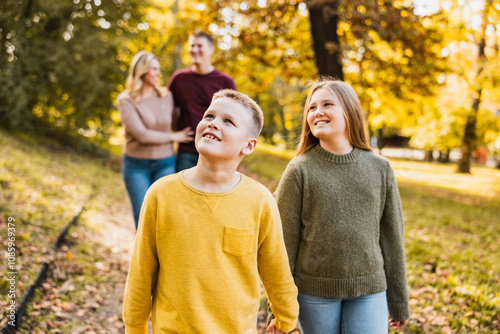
<point>141,63</point>
<point>353,114</point>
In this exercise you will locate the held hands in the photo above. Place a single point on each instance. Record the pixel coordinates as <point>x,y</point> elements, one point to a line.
<point>183,136</point>
<point>398,324</point>
<point>271,329</point>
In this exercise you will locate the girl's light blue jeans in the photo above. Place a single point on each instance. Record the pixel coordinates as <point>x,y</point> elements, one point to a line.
<point>356,315</point>
<point>139,175</point>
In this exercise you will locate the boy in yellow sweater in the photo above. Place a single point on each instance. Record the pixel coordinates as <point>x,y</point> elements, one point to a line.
<point>207,236</point>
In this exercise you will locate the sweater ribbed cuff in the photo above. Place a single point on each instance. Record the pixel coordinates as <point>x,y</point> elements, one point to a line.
<point>285,327</point>
<point>141,329</point>
<point>399,312</point>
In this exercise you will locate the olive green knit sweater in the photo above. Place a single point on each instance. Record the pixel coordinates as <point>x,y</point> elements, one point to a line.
<point>343,226</point>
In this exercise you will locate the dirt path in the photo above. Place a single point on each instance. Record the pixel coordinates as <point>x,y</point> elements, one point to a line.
<point>118,234</point>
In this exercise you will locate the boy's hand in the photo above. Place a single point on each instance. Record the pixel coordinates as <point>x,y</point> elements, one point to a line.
<point>398,324</point>
<point>271,329</point>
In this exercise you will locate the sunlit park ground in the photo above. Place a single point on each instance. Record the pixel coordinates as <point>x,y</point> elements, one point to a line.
<point>452,243</point>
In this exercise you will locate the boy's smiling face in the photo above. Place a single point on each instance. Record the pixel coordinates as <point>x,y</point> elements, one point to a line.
<point>224,131</point>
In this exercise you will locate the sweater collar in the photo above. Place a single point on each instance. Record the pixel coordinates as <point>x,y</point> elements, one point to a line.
<point>337,158</point>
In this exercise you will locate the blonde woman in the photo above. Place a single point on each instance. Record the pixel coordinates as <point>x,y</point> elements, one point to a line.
<point>146,110</point>
<point>342,221</point>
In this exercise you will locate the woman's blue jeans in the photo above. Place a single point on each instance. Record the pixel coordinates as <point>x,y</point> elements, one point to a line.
<point>139,175</point>
<point>356,315</point>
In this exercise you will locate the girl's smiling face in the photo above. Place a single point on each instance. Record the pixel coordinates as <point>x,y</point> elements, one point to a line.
<point>325,116</point>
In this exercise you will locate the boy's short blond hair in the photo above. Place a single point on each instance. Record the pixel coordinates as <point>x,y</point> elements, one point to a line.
<point>248,104</point>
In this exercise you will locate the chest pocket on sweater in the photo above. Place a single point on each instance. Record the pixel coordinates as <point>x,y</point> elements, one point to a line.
<point>238,241</point>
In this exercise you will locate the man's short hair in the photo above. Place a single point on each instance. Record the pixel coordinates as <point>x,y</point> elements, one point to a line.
<point>205,35</point>
<point>248,104</point>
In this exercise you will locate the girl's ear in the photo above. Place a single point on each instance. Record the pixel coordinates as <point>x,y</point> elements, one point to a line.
<point>250,147</point>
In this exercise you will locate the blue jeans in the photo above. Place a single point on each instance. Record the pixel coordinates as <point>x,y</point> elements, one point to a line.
<point>139,175</point>
<point>356,315</point>
<point>186,160</point>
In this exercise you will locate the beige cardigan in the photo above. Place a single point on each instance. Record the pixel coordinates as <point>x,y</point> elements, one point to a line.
<point>148,125</point>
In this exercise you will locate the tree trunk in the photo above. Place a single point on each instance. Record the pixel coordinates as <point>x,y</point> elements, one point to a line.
<point>369,130</point>
<point>444,156</point>
<point>323,16</point>
<point>281,94</point>
<point>469,140</point>
<point>177,51</point>
<point>429,157</point>
<point>284,131</point>
<point>380,141</point>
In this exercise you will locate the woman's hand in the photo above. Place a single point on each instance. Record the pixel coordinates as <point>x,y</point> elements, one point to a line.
<point>183,136</point>
<point>271,329</point>
<point>398,324</point>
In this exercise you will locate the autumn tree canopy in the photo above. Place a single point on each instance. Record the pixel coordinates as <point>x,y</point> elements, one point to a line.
<point>60,64</point>
<point>63,63</point>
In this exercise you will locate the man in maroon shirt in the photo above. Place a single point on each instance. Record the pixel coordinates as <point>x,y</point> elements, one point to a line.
<point>193,88</point>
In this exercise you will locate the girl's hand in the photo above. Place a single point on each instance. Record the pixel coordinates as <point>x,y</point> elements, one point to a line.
<point>398,324</point>
<point>271,329</point>
<point>183,136</point>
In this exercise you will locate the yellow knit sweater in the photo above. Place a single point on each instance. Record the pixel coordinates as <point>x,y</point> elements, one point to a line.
<point>198,257</point>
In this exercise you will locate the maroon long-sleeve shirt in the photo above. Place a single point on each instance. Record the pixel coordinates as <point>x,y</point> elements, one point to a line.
<point>193,94</point>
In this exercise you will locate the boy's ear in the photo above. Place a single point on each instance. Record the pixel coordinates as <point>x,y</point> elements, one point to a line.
<point>248,149</point>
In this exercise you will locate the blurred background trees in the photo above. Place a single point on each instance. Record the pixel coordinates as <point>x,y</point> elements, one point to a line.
<point>425,74</point>
<point>60,63</point>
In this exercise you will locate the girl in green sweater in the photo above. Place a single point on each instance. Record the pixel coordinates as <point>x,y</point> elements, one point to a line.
<point>343,221</point>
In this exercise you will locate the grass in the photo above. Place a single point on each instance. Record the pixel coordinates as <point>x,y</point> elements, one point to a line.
<point>451,236</point>
<point>42,189</point>
<point>452,253</point>
<point>452,224</point>
<point>266,164</point>
<point>44,185</point>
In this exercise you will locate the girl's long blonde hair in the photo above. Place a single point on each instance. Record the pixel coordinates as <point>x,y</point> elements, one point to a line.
<point>140,65</point>
<point>352,112</point>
